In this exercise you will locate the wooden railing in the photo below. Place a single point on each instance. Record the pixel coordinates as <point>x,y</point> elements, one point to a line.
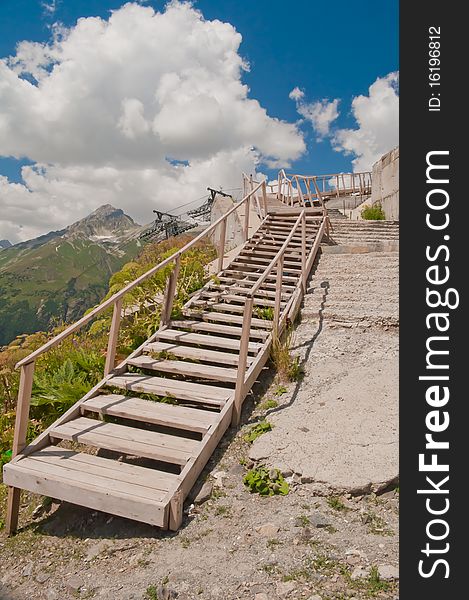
<point>27,365</point>
<point>244,380</point>
<point>345,184</point>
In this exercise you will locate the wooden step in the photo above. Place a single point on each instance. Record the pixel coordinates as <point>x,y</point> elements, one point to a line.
<point>271,254</point>
<point>172,388</point>
<point>236,304</point>
<point>214,299</point>
<point>260,299</point>
<point>98,483</point>
<point>127,440</point>
<point>243,267</point>
<point>218,328</point>
<point>212,341</point>
<point>246,283</point>
<point>204,355</point>
<point>157,413</point>
<point>263,262</point>
<point>250,273</point>
<point>273,245</point>
<point>185,369</point>
<point>224,318</point>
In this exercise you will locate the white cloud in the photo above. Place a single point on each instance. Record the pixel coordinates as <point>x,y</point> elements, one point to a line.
<point>103,106</point>
<point>319,114</point>
<point>377,116</point>
<point>49,8</point>
<point>296,94</point>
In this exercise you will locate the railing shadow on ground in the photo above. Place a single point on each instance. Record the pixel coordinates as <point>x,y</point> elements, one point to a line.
<point>309,345</point>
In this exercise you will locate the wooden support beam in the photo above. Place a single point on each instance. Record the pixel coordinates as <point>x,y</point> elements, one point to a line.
<point>170,293</point>
<point>113,337</point>
<point>243,354</point>
<point>247,208</point>
<point>221,245</point>
<point>175,511</point>
<point>304,274</point>
<point>19,441</point>
<point>278,294</point>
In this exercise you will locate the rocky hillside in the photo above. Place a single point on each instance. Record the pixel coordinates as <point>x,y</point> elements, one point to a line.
<point>55,277</point>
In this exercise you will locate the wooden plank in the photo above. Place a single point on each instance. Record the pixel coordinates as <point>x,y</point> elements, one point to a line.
<point>158,413</point>
<point>87,494</point>
<point>127,440</point>
<point>185,337</point>
<point>19,440</point>
<point>113,336</point>
<point>175,511</point>
<point>258,261</point>
<point>194,467</point>
<point>186,369</point>
<point>238,283</point>
<point>225,318</point>
<point>182,390</point>
<point>239,391</point>
<point>103,472</point>
<point>204,355</point>
<point>218,328</point>
<point>247,272</point>
<point>254,268</point>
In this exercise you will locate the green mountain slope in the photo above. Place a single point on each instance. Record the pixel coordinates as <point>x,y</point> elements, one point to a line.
<point>56,277</point>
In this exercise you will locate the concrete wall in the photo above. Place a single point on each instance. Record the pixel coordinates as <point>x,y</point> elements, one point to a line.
<point>385,187</point>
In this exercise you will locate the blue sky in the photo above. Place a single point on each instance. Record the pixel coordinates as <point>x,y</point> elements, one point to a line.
<point>330,50</point>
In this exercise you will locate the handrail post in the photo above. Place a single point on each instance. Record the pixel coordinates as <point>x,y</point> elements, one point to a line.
<point>19,441</point>
<point>113,336</point>
<point>242,362</point>
<point>264,198</point>
<point>303,250</point>
<point>247,209</point>
<point>278,294</point>
<point>279,195</point>
<point>221,246</point>
<point>170,292</point>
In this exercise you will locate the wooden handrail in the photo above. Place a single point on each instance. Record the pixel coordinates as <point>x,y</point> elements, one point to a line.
<point>273,262</point>
<point>110,301</point>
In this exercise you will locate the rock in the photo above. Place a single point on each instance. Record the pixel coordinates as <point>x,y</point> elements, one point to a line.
<point>219,476</point>
<point>204,494</point>
<point>319,520</point>
<point>285,588</point>
<point>388,572</point>
<point>360,573</point>
<point>267,530</point>
<point>52,595</point>
<point>361,490</point>
<point>74,584</point>
<point>306,534</point>
<point>354,553</point>
<point>261,596</point>
<point>306,479</point>
<point>42,577</point>
<point>237,470</point>
<point>314,597</point>
<point>166,593</point>
<point>28,570</point>
<point>388,495</point>
<point>95,550</point>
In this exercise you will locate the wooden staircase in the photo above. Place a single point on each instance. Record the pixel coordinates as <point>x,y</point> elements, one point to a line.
<point>197,371</point>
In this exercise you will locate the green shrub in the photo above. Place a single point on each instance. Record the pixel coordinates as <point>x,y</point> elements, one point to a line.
<point>266,482</point>
<point>373,213</point>
<point>257,430</point>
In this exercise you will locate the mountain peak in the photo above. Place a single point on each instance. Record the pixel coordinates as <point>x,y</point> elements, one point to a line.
<point>5,244</point>
<point>106,223</point>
